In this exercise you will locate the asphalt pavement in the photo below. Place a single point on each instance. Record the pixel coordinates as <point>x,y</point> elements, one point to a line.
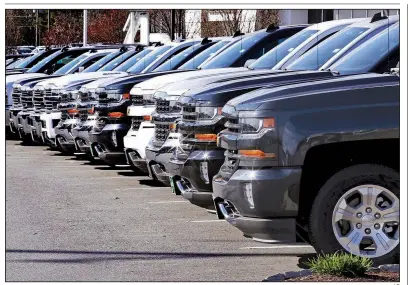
<point>70,220</point>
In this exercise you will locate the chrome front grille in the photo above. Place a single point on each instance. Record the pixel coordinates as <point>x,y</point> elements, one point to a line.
<point>161,132</point>
<point>136,121</point>
<point>83,115</point>
<point>16,96</point>
<point>27,98</point>
<point>162,106</point>
<point>51,102</point>
<point>86,96</point>
<point>231,163</point>
<point>232,125</point>
<point>137,100</point>
<point>188,113</point>
<point>38,99</point>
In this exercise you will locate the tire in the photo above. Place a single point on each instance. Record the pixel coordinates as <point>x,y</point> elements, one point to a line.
<point>321,225</point>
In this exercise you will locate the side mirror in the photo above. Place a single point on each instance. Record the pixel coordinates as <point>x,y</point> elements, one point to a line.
<point>81,68</point>
<point>249,62</point>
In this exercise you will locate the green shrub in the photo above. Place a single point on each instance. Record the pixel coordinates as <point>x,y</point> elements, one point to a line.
<point>340,264</point>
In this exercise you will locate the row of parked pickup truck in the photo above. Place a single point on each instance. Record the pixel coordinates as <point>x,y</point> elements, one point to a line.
<point>290,133</point>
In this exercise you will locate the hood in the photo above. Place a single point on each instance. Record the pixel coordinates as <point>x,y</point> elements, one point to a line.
<point>164,80</point>
<point>326,92</point>
<point>219,93</point>
<point>11,79</point>
<point>190,86</point>
<point>134,79</point>
<point>95,83</point>
<point>14,77</point>
<point>31,82</point>
<point>77,78</point>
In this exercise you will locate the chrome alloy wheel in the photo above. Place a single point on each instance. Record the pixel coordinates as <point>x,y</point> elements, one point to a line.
<point>366,221</point>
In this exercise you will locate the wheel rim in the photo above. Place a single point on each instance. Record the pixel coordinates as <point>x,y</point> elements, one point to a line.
<point>366,221</point>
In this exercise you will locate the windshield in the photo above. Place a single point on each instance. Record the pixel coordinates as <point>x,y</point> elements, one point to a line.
<point>203,56</point>
<point>14,64</point>
<point>43,62</point>
<point>70,64</point>
<point>318,55</point>
<point>366,55</point>
<point>177,60</point>
<point>124,66</point>
<point>28,60</point>
<point>234,52</point>
<point>271,58</point>
<point>252,46</point>
<point>146,60</point>
<point>98,64</point>
<point>117,61</point>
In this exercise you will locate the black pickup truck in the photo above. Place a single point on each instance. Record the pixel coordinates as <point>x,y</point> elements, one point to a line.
<point>198,158</point>
<point>305,160</point>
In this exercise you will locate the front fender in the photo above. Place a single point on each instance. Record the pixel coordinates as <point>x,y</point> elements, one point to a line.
<point>303,131</point>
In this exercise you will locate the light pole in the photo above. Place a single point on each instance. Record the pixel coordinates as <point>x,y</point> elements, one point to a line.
<point>85,28</point>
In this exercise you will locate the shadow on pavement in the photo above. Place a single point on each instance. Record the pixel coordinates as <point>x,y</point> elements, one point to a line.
<point>151,182</point>
<point>107,167</point>
<point>102,256</point>
<point>131,173</point>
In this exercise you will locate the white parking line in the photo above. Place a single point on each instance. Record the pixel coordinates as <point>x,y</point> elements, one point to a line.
<point>142,188</point>
<point>167,202</point>
<point>208,221</point>
<point>277,246</point>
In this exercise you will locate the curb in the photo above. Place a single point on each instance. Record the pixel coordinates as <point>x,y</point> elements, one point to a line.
<point>306,272</point>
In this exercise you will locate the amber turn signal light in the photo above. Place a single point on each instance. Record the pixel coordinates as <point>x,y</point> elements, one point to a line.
<point>126,96</point>
<point>206,137</point>
<point>172,126</point>
<point>147,118</point>
<point>72,111</point>
<point>256,153</point>
<point>116,115</point>
<point>269,122</point>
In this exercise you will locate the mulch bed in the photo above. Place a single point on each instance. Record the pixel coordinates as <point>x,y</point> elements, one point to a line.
<point>369,277</point>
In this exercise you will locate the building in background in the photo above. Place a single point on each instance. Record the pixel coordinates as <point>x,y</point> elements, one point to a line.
<point>200,22</point>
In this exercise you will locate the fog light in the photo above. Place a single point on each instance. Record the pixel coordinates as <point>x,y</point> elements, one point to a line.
<point>248,194</point>
<point>114,140</point>
<point>204,172</point>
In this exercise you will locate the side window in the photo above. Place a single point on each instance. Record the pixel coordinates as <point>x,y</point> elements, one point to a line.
<point>60,63</point>
<point>91,61</point>
<point>387,63</point>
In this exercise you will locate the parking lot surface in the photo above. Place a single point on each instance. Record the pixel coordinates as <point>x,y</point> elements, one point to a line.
<point>69,220</point>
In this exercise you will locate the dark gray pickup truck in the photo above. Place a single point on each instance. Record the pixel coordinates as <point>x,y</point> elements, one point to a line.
<point>195,162</point>
<point>316,160</point>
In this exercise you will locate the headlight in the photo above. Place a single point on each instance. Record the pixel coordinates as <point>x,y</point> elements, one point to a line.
<point>56,91</point>
<point>73,94</point>
<point>146,93</point>
<point>250,125</point>
<point>16,85</point>
<point>207,113</point>
<point>114,94</point>
<point>254,125</point>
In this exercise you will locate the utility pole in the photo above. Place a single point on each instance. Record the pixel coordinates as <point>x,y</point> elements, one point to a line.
<point>36,27</point>
<point>48,21</point>
<point>173,23</point>
<point>85,28</point>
